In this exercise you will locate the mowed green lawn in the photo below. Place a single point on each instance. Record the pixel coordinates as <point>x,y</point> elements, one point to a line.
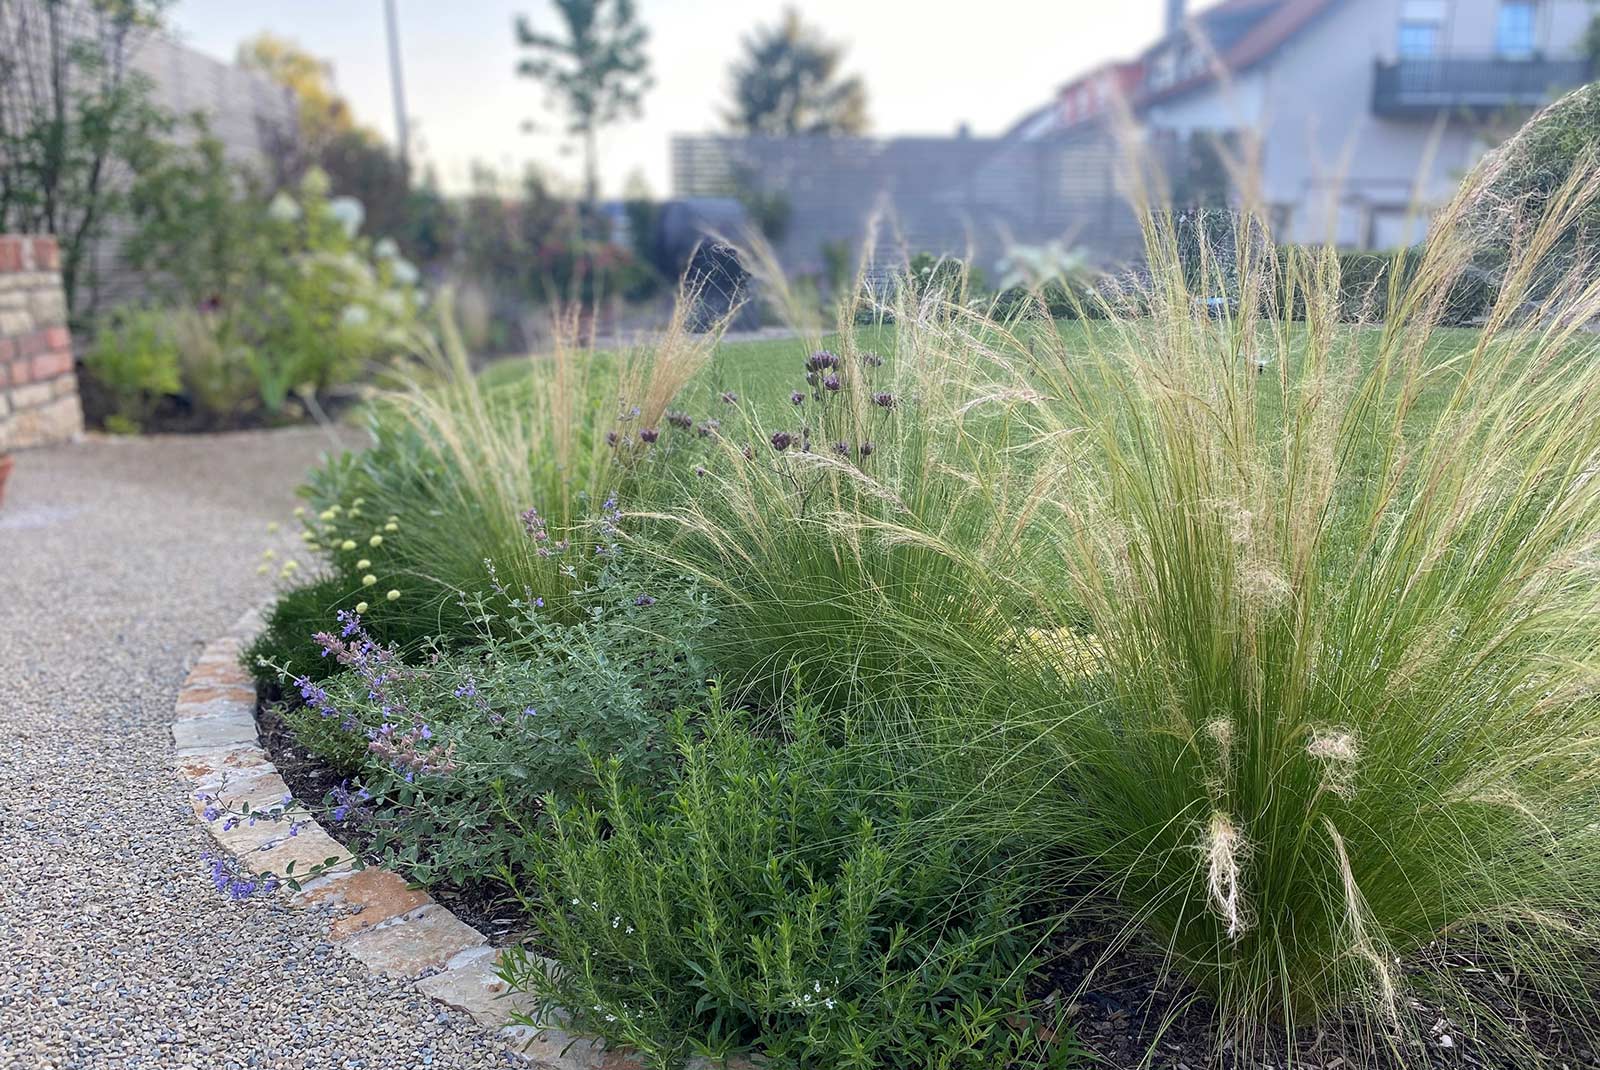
<point>764,373</point>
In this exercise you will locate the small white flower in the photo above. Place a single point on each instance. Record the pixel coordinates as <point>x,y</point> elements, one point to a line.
<point>282,209</point>
<point>348,212</point>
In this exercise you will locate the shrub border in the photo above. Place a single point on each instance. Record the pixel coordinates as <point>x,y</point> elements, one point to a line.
<point>393,929</point>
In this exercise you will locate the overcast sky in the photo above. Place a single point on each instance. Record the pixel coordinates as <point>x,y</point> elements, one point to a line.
<point>928,64</point>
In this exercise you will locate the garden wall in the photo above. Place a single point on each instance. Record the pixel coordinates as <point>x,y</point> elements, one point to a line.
<point>38,384</point>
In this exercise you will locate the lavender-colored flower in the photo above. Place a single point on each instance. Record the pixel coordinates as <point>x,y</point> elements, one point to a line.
<point>831,382</point>
<point>648,434</point>
<point>865,449</point>
<point>644,600</point>
<point>781,440</point>
<point>821,359</point>
<point>884,400</point>
<point>872,360</point>
<point>797,398</point>
<point>681,420</point>
<point>729,397</point>
<point>706,428</point>
<point>611,438</point>
<point>842,448</point>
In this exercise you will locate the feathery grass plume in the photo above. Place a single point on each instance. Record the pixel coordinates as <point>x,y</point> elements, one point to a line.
<point>1368,550</point>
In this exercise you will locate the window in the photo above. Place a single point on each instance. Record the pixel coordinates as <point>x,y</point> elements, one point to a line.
<point>1421,28</point>
<point>1514,33</point>
<point>1419,40</point>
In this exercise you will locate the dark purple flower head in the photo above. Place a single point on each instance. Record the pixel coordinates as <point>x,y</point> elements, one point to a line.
<point>644,600</point>
<point>700,470</point>
<point>648,434</point>
<point>842,448</point>
<point>831,382</point>
<point>611,438</point>
<point>681,420</point>
<point>865,449</point>
<point>884,400</point>
<point>781,440</point>
<point>797,398</point>
<point>749,454</point>
<point>729,396</point>
<point>822,358</point>
<point>705,429</point>
<point>872,360</point>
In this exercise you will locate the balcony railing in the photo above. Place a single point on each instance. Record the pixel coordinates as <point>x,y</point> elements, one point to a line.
<point>1420,87</point>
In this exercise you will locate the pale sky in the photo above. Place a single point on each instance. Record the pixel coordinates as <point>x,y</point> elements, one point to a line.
<point>928,64</point>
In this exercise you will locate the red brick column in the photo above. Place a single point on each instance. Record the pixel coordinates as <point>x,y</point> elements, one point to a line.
<point>38,385</point>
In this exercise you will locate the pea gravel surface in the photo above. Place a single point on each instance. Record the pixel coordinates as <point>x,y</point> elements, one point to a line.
<point>118,561</point>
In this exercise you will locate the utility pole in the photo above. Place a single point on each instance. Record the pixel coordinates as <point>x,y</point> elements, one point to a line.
<point>397,83</point>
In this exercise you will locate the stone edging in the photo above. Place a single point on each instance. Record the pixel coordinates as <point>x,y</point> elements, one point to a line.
<point>395,930</point>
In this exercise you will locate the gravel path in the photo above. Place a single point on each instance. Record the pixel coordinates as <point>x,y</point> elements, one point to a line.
<point>118,560</point>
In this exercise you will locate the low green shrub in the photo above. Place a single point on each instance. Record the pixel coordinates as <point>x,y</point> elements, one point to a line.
<point>776,895</point>
<point>133,367</point>
<point>286,642</point>
<point>455,749</point>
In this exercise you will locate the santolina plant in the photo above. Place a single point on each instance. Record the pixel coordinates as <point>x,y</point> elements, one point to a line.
<point>1277,636</point>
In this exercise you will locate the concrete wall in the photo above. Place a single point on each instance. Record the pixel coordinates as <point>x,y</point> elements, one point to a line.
<point>38,387</point>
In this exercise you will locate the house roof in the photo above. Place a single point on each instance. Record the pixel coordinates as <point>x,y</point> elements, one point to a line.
<point>1263,27</point>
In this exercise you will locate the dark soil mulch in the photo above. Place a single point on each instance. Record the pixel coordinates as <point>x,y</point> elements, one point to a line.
<point>486,908</point>
<point>1128,1011</point>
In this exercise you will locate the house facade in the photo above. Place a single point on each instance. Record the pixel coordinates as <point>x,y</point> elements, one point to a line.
<point>1365,110</point>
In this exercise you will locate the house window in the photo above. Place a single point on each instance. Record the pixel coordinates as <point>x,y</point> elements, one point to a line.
<point>1419,40</point>
<point>1421,29</point>
<point>1514,32</point>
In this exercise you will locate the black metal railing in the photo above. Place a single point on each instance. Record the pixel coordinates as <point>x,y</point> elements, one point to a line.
<point>1426,86</point>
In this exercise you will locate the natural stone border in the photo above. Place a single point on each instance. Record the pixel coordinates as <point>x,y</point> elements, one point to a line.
<point>393,929</point>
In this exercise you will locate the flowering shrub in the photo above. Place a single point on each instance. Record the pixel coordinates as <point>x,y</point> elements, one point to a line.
<point>453,750</point>
<point>261,300</point>
<point>775,896</point>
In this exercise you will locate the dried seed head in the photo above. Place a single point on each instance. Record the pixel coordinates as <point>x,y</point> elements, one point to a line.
<point>1338,752</point>
<point>1225,850</point>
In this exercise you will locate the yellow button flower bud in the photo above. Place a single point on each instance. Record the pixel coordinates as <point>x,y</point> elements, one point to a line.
<point>393,596</point>
<point>348,544</point>
<point>376,540</point>
<point>368,580</point>
<point>363,564</point>
<point>361,607</point>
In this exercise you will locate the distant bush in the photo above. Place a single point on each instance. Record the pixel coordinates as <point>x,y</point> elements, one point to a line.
<point>258,302</point>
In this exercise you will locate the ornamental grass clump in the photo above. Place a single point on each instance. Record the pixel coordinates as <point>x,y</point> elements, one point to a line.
<point>1279,639</point>
<point>506,489</point>
<point>1339,725</point>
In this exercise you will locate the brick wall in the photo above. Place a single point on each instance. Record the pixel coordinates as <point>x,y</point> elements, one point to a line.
<point>38,384</point>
